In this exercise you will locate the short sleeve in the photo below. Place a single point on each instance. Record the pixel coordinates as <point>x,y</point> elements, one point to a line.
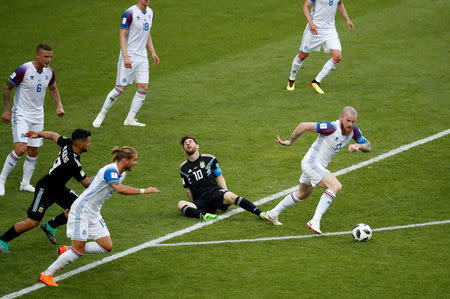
<point>127,18</point>
<point>17,76</point>
<point>325,128</point>
<point>111,175</point>
<point>63,141</point>
<point>358,136</point>
<point>53,79</point>
<point>79,174</point>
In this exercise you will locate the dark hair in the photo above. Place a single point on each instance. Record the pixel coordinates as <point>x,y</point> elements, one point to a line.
<point>187,137</point>
<point>43,47</point>
<point>80,134</point>
<point>125,152</point>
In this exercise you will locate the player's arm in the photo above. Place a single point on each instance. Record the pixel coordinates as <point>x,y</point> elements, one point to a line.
<point>222,182</point>
<point>54,93</point>
<point>364,147</point>
<point>298,131</point>
<point>128,190</point>
<point>86,181</point>
<point>343,12</point>
<point>123,46</point>
<point>306,7</point>
<point>152,49</point>
<point>6,117</point>
<point>45,134</point>
<point>189,194</point>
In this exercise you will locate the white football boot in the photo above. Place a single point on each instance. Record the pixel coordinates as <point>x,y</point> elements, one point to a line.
<point>133,122</point>
<point>271,218</point>
<point>314,226</point>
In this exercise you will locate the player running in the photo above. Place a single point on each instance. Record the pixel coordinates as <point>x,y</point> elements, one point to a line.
<point>31,79</point>
<point>332,137</point>
<point>200,174</point>
<point>85,221</point>
<point>133,62</point>
<point>52,187</point>
<point>320,31</point>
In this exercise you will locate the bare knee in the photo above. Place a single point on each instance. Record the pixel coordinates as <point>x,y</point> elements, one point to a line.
<point>107,247</point>
<point>337,59</point>
<point>142,86</point>
<point>32,151</point>
<point>302,55</point>
<point>337,188</point>
<point>183,203</point>
<point>20,148</point>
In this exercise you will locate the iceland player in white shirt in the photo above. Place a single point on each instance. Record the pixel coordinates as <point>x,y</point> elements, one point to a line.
<point>31,80</point>
<point>332,137</point>
<point>320,31</point>
<point>133,64</point>
<point>85,221</point>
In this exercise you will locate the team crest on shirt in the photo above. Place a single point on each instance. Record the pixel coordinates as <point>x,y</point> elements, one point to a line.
<point>31,77</point>
<point>41,209</point>
<point>202,164</point>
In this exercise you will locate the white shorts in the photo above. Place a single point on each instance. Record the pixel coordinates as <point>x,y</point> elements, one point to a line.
<point>138,73</point>
<point>86,226</point>
<point>329,39</point>
<point>312,174</point>
<point>20,125</point>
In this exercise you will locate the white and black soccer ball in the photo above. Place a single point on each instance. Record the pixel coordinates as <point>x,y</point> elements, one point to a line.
<point>362,232</point>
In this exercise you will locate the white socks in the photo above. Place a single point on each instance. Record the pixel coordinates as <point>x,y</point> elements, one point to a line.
<point>28,168</point>
<point>93,247</point>
<point>138,100</point>
<point>10,162</point>
<point>296,64</point>
<point>325,200</point>
<point>287,202</point>
<point>111,99</point>
<point>63,260</point>
<point>327,68</point>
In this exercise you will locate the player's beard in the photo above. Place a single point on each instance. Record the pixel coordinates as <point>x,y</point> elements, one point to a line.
<point>190,151</point>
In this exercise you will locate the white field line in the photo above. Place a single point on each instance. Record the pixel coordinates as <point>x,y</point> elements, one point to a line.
<point>189,229</point>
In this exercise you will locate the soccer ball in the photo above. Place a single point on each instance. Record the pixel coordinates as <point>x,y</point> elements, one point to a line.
<point>362,232</point>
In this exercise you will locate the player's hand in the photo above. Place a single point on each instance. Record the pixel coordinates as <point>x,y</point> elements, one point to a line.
<point>313,27</point>
<point>32,134</point>
<point>353,148</point>
<point>151,190</point>
<point>350,25</point>
<point>60,111</point>
<point>127,62</point>
<point>6,116</point>
<point>155,59</point>
<point>283,142</point>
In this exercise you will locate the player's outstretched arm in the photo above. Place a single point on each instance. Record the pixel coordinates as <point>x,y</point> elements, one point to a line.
<point>128,190</point>
<point>54,93</point>
<point>45,134</point>
<point>364,147</point>
<point>298,131</point>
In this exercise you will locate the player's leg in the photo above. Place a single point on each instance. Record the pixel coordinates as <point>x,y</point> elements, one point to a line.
<point>141,76</point>
<point>333,186</point>
<point>15,231</point>
<point>231,198</point>
<point>191,210</point>
<point>28,167</point>
<point>296,65</point>
<point>10,162</point>
<point>100,246</point>
<point>111,98</point>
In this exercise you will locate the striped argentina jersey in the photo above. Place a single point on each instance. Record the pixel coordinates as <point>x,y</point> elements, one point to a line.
<point>329,142</point>
<point>138,23</point>
<point>99,191</point>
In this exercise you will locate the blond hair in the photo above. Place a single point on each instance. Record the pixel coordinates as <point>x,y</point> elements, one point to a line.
<point>125,152</point>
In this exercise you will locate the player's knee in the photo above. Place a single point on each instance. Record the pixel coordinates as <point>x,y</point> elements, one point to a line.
<point>337,59</point>
<point>30,223</point>
<point>108,247</point>
<point>122,87</point>
<point>338,188</point>
<point>181,205</point>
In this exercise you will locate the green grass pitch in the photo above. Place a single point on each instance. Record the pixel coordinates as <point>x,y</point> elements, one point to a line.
<point>224,67</point>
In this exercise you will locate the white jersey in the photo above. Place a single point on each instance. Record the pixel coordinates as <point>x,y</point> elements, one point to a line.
<point>138,23</point>
<point>329,142</point>
<point>323,13</point>
<point>31,86</point>
<point>99,191</point>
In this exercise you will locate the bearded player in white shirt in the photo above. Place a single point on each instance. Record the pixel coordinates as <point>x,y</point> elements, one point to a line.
<point>320,31</point>
<point>133,64</point>
<point>31,80</point>
<point>85,221</point>
<point>332,137</point>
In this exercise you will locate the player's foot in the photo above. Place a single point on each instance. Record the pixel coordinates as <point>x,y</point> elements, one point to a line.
<point>314,226</point>
<point>291,85</point>
<point>209,217</point>
<point>133,122</point>
<point>26,187</point>
<point>48,280</point>
<point>316,85</point>
<point>272,218</point>
<point>4,246</point>
<point>2,188</point>
<point>49,232</point>
<point>98,120</point>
